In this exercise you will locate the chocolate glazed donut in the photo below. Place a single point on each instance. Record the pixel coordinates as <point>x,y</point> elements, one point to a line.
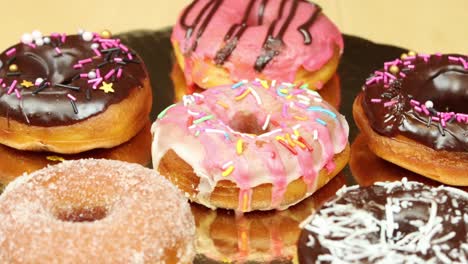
<point>414,114</point>
<point>60,93</point>
<point>425,101</point>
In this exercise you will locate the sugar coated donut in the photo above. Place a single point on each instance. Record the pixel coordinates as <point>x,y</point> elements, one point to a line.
<point>71,93</point>
<point>250,146</point>
<point>392,222</point>
<point>217,42</point>
<point>99,210</point>
<point>414,114</point>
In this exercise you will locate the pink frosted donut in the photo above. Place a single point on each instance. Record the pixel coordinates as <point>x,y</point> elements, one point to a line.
<point>220,41</point>
<point>95,210</point>
<point>250,146</point>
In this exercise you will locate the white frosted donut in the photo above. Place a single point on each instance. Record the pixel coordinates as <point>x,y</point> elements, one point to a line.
<point>250,146</point>
<point>96,211</point>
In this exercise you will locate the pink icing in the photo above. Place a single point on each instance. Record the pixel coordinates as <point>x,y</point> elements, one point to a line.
<point>294,53</point>
<point>204,131</point>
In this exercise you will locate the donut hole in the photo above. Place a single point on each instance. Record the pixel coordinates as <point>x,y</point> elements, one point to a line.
<point>247,123</point>
<point>82,214</point>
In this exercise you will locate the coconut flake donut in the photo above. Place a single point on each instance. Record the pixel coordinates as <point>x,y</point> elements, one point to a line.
<point>250,146</point>
<point>414,114</point>
<point>99,210</point>
<point>392,222</point>
<point>217,42</point>
<point>71,93</point>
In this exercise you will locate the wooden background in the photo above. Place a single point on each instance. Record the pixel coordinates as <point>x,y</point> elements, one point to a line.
<point>423,25</point>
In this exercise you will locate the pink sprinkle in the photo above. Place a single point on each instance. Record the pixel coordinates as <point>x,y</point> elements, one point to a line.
<point>55,35</point>
<point>97,52</point>
<point>118,60</point>
<point>83,75</point>
<point>18,95</point>
<point>371,81</point>
<point>119,73</point>
<point>99,80</point>
<point>418,109</point>
<point>104,45</point>
<point>414,102</point>
<point>438,54</point>
<point>385,79</point>
<point>98,73</point>
<point>73,98</point>
<point>109,74</point>
<point>407,63</point>
<point>442,122</point>
<point>88,60</point>
<point>10,52</point>
<point>32,45</point>
<point>57,49</point>
<point>465,64</point>
<point>451,58</point>
<point>4,85</point>
<point>379,73</point>
<point>1,80</point>
<point>390,103</point>
<point>123,47</point>
<point>376,100</point>
<point>390,76</point>
<point>411,66</point>
<point>241,91</point>
<point>298,91</point>
<point>410,58</point>
<point>402,75</point>
<point>12,86</point>
<point>77,66</point>
<point>94,80</point>
<point>434,118</point>
<point>424,108</point>
<point>64,37</point>
<point>130,56</point>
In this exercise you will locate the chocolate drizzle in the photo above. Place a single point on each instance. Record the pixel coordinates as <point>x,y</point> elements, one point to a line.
<point>304,28</point>
<point>437,79</point>
<point>47,104</point>
<point>272,44</point>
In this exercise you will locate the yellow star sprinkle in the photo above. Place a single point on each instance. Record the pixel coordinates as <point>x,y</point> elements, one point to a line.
<point>107,87</point>
<point>27,84</point>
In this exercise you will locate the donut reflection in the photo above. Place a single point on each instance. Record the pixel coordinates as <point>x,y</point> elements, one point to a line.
<point>224,237</point>
<point>14,163</point>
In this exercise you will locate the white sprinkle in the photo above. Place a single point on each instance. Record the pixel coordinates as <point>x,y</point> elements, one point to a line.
<point>255,94</point>
<point>227,165</point>
<point>267,122</point>
<point>315,134</point>
<point>87,36</point>
<point>279,130</point>
<point>27,38</point>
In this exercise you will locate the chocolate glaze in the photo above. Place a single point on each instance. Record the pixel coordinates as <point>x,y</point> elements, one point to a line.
<point>273,43</point>
<point>440,80</point>
<point>51,106</point>
<point>373,200</point>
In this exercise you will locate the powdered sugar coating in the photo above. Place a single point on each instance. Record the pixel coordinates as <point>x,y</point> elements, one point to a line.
<point>146,218</point>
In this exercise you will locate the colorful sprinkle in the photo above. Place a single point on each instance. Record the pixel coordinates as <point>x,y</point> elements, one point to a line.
<point>164,112</point>
<point>320,121</point>
<point>240,147</point>
<point>243,95</point>
<point>203,119</point>
<point>228,171</point>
